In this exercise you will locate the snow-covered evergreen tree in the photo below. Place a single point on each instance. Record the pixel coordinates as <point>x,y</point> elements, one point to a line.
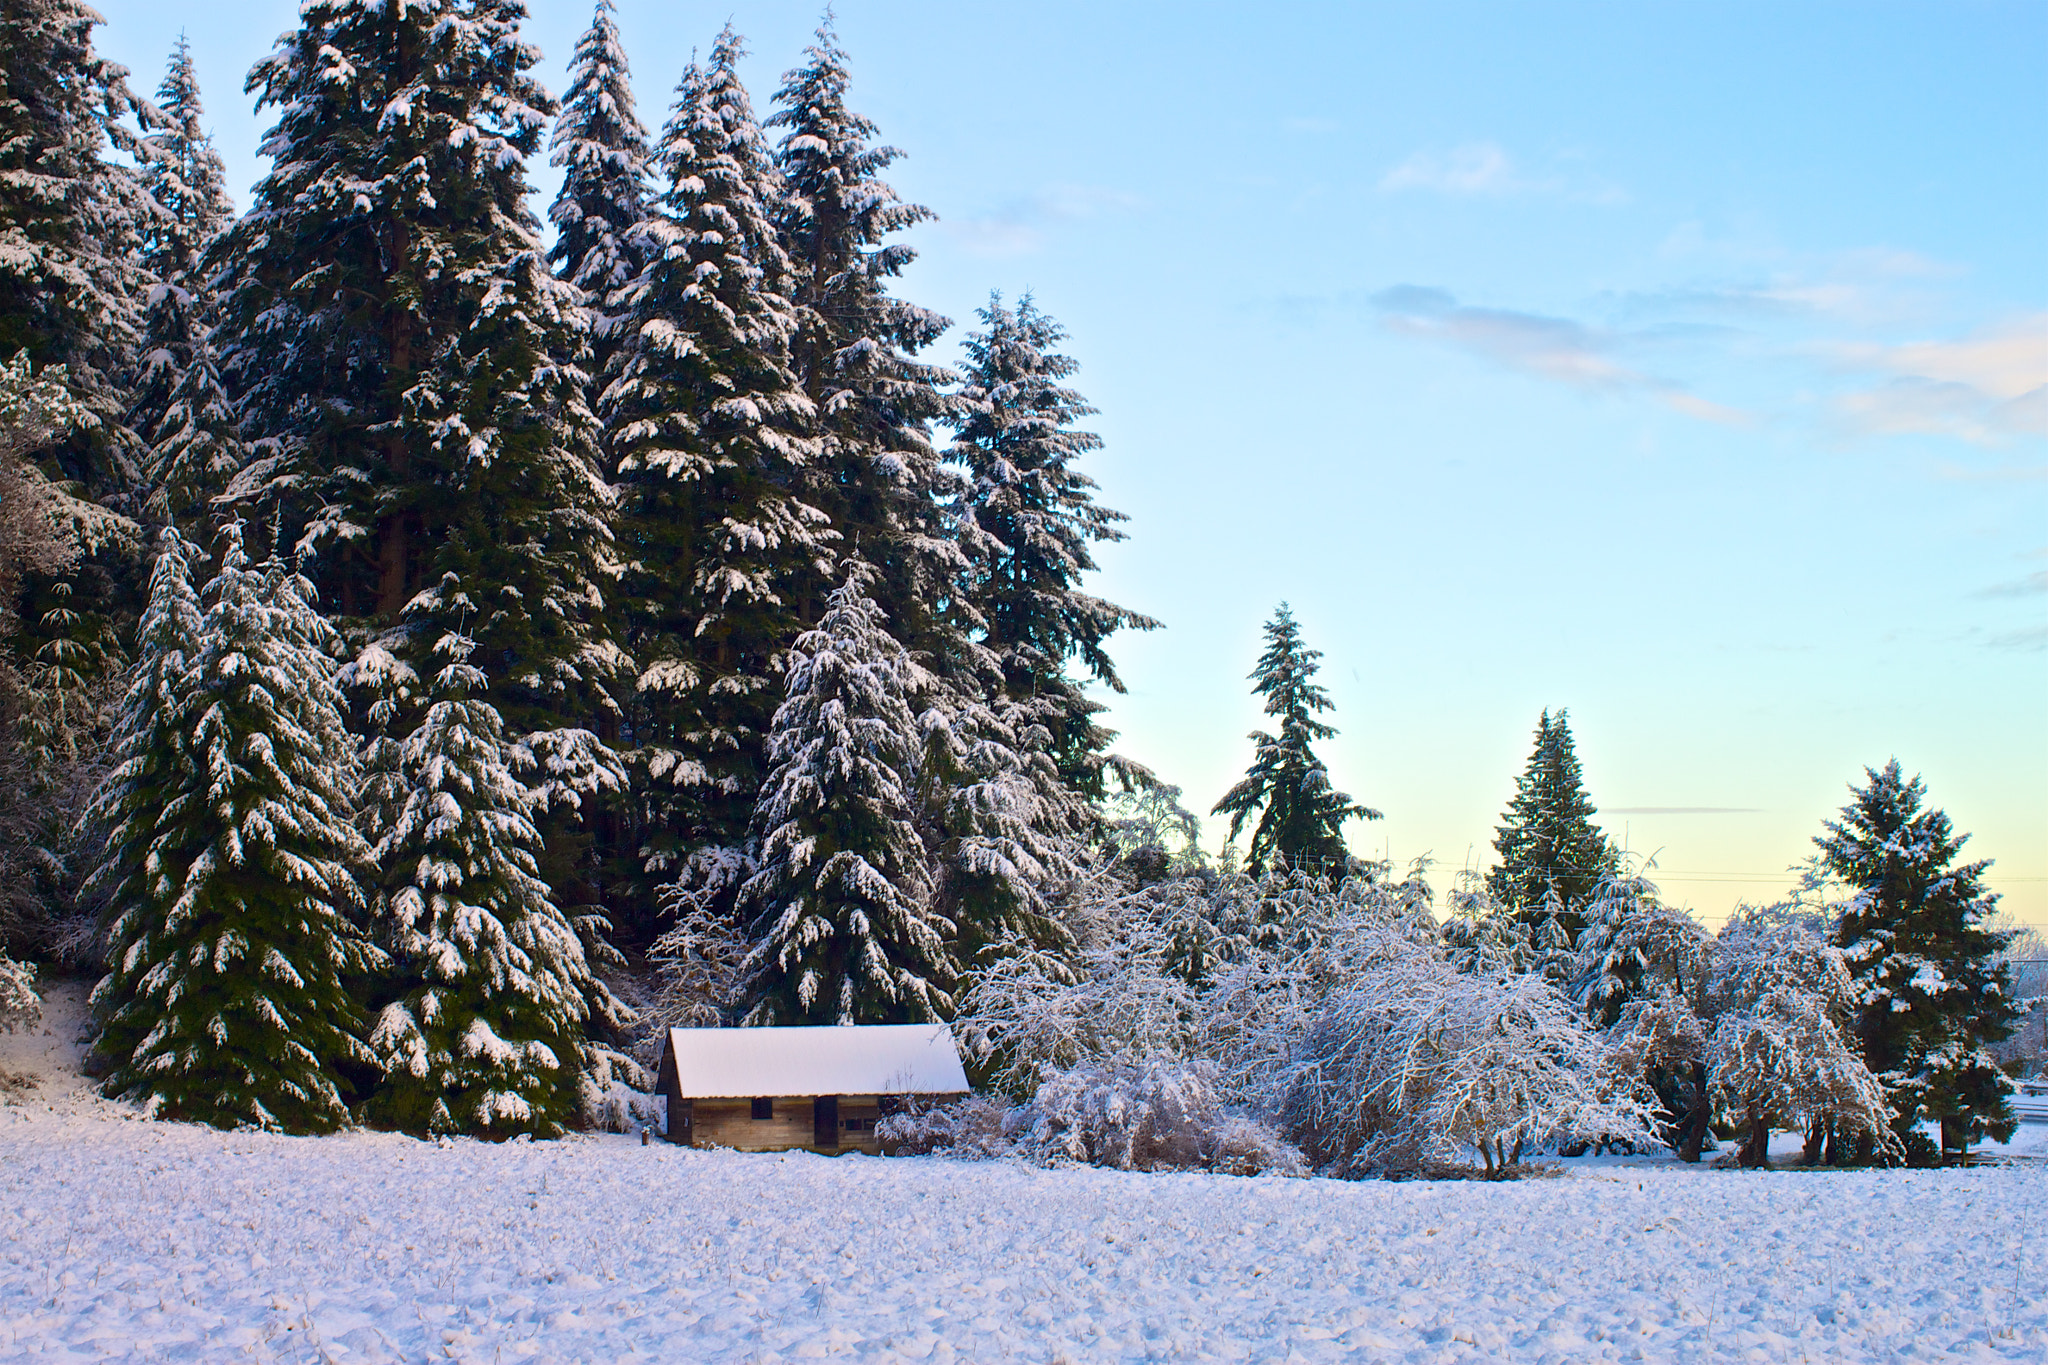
<point>1004,832</point>
<point>179,408</point>
<point>1301,817</point>
<point>225,1000</point>
<point>70,274</point>
<point>411,364</point>
<point>155,761</point>
<point>601,146</point>
<point>1553,858</point>
<point>492,985</point>
<point>845,932</point>
<point>1933,995</point>
<point>709,437</point>
<point>1028,517</point>
<point>877,476</point>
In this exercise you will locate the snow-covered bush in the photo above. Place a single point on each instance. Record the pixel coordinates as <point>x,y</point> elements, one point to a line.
<point>20,1007</point>
<point>1418,1061</point>
<point>1157,1115</point>
<point>1149,1116</point>
<point>1780,1052</point>
<point>976,1128</point>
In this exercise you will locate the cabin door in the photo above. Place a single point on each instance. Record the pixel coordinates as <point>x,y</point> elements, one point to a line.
<point>825,1121</point>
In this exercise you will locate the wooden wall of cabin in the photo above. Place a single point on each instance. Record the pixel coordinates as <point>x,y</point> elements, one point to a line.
<point>730,1123</point>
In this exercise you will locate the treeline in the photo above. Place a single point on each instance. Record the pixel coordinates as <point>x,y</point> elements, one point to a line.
<point>414,615</point>
<point>415,626</point>
<point>1307,1011</point>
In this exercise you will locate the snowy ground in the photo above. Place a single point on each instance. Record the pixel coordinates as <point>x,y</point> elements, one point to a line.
<point>121,1238</point>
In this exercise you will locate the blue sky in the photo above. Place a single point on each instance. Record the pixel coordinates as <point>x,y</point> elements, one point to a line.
<point>1682,365</point>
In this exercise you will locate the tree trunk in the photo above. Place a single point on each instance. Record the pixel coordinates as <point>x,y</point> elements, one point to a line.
<point>1756,1147</point>
<point>1816,1142</point>
<point>1692,1134</point>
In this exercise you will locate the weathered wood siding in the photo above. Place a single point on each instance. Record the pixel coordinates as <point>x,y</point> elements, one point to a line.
<point>731,1123</point>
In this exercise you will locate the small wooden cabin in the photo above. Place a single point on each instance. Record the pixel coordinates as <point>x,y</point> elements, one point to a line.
<point>821,1089</point>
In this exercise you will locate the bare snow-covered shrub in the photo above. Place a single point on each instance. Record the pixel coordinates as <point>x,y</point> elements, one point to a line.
<point>1780,1051</point>
<point>20,1007</point>
<point>1155,1115</point>
<point>612,1095</point>
<point>1419,1061</point>
<point>976,1128</point>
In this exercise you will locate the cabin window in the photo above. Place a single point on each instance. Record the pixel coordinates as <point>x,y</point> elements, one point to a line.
<point>860,1125</point>
<point>764,1109</point>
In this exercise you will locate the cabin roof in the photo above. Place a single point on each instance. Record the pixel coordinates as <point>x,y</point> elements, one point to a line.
<point>852,1059</point>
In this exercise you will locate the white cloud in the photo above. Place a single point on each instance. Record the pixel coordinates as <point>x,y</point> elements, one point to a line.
<point>1987,387</point>
<point>1555,349</point>
<point>1484,168</point>
<point>1475,168</point>
<point>1023,226</point>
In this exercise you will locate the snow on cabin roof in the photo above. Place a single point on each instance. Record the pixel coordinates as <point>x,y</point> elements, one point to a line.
<point>851,1059</point>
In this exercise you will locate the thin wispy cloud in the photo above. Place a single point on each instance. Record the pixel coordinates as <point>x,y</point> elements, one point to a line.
<point>1485,168</point>
<point>1685,810</point>
<point>1986,388</point>
<point>1024,225</point>
<point>2033,585</point>
<point>1555,349</point>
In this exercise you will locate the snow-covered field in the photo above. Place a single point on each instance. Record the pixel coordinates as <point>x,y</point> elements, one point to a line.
<point>126,1239</point>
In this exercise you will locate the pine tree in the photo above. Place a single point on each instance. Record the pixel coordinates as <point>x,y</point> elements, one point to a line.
<point>1027,519</point>
<point>493,988</point>
<point>844,929</point>
<point>1302,820</point>
<point>180,409</point>
<point>1933,994</point>
<point>601,147</point>
<point>876,475</point>
<point>411,363</point>
<point>1553,858</point>
<point>226,1000</point>
<point>709,433</point>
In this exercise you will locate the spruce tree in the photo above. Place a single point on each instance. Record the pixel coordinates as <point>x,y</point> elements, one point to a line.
<point>1933,992</point>
<point>412,366</point>
<point>180,408</point>
<point>1301,817</point>
<point>1553,858</point>
<point>709,436</point>
<point>491,986</point>
<point>225,1001</point>
<point>876,474</point>
<point>601,146</point>
<point>844,929</point>
<point>1027,519</point>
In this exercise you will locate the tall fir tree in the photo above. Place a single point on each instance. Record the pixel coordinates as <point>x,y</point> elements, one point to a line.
<point>412,368</point>
<point>226,999</point>
<point>492,989</point>
<point>155,763</point>
<point>71,276</point>
<point>845,932</point>
<point>709,433</point>
<point>877,475</point>
<point>1300,816</point>
<point>1933,991</point>
<point>1553,858</point>
<point>601,147</point>
<point>180,409</point>
<point>1028,517</point>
